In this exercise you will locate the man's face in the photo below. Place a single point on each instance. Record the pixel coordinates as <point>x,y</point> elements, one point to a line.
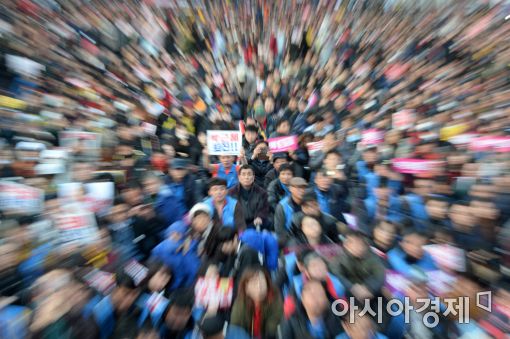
<point>412,245</point>
<point>279,162</point>
<point>151,186</point>
<point>323,182</point>
<point>226,160</point>
<point>178,174</point>
<point>177,317</point>
<point>331,161</point>
<point>461,216</point>
<point>311,208</point>
<point>123,298</point>
<point>382,193</point>
<point>218,193</point>
<point>317,269</point>
<point>437,209</point>
<point>311,228</point>
<point>314,298</point>
<point>250,136</point>
<point>370,156</point>
<point>200,222</point>
<point>118,213</point>
<point>246,178</point>
<point>229,247</point>
<point>422,187</point>
<point>285,177</point>
<point>283,128</point>
<point>355,246</point>
<point>133,196</point>
<point>297,192</point>
<point>385,233</point>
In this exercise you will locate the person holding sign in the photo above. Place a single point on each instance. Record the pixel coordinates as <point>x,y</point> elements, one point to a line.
<point>226,169</point>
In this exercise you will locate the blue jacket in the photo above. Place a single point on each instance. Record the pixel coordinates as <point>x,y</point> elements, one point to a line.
<point>417,210</point>
<point>14,321</point>
<point>396,259</point>
<point>333,202</point>
<point>227,217</point>
<point>230,177</point>
<point>174,200</point>
<point>104,316</point>
<point>393,213</point>
<point>289,211</point>
<point>184,266</point>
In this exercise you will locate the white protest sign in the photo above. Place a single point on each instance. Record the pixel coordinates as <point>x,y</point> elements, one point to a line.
<point>20,199</point>
<point>224,142</point>
<point>77,227</point>
<point>87,142</point>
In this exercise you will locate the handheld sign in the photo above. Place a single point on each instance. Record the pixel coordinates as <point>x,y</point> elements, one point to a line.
<point>224,142</point>
<point>20,199</point>
<point>283,144</point>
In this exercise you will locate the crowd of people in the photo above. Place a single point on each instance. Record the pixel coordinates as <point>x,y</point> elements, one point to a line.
<point>366,162</point>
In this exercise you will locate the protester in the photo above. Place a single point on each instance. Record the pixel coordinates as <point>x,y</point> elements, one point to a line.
<point>252,198</point>
<point>114,118</point>
<point>227,211</point>
<point>258,307</point>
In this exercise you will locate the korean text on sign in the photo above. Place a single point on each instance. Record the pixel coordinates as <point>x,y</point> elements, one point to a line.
<point>224,142</point>
<point>283,144</point>
<point>18,198</point>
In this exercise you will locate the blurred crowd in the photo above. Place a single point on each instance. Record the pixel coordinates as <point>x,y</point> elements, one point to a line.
<point>229,169</point>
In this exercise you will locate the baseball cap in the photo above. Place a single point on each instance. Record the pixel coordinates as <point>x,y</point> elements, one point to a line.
<point>280,155</point>
<point>179,163</point>
<point>298,182</point>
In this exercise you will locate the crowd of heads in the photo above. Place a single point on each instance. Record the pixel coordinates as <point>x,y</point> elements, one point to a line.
<point>121,216</point>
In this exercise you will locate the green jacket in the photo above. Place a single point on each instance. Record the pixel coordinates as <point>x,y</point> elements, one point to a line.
<point>271,315</point>
<point>368,271</point>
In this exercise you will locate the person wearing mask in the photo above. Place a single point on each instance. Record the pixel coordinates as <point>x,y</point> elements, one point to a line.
<point>287,207</point>
<point>178,194</point>
<point>226,169</point>
<point>279,188</point>
<point>227,211</point>
<point>252,197</point>
<point>313,317</point>
<point>410,253</point>
<point>359,269</point>
<point>258,307</point>
<point>331,197</point>
<point>278,160</point>
<point>260,163</point>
